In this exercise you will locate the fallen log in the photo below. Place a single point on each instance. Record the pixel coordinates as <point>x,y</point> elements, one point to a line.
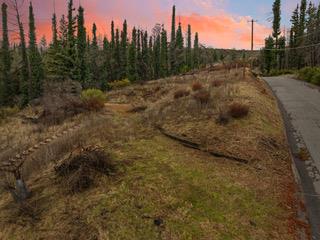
<point>197,146</point>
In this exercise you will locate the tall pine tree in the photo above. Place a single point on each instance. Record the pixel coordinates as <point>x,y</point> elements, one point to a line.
<point>189,49</point>
<point>172,54</point>
<point>36,67</point>
<point>6,91</point>
<point>82,63</point>
<point>132,57</point>
<point>164,54</point>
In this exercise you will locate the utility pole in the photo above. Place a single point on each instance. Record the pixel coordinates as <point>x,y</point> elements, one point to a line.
<point>252,32</point>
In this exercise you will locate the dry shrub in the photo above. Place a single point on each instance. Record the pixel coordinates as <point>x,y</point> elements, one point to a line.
<point>217,83</point>
<point>223,117</point>
<point>202,97</point>
<point>93,99</point>
<point>138,109</point>
<point>78,170</point>
<point>181,93</point>
<point>303,154</point>
<point>196,86</point>
<point>238,110</point>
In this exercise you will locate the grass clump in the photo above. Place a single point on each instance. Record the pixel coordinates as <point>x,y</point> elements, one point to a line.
<point>217,83</point>
<point>6,112</point>
<point>196,86</point>
<point>181,93</point>
<point>93,99</point>
<point>202,97</point>
<point>119,84</point>
<point>238,110</point>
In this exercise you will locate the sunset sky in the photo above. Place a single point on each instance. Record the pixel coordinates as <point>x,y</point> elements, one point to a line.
<point>220,23</point>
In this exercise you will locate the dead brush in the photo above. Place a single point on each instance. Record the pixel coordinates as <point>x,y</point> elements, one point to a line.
<point>217,83</point>
<point>197,86</point>
<point>238,110</point>
<point>202,97</point>
<point>181,93</point>
<point>79,169</point>
<point>223,117</point>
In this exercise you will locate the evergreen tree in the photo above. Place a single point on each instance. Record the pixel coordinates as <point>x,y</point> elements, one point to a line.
<point>6,90</point>
<point>310,34</point>
<point>36,68</point>
<point>189,48</point>
<point>63,31</point>
<point>145,56</point>
<point>113,63</point>
<point>117,55</point>
<point>54,31</point>
<point>281,53</point>
<point>71,60</point>
<point>93,60</point>
<point>294,36</point>
<point>269,54</point>
<point>24,68</point>
<point>106,68</point>
<point>132,57</point>
<point>276,8</point>
<point>164,54</point>
<point>173,43</point>
<point>94,36</point>
<point>180,58</point>
<point>82,70</point>
<point>156,58</point>
<point>124,48</point>
<point>55,57</point>
<point>150,59</point>
<point>196,52</point>
<point>43,45</point>
<point>139,55</point>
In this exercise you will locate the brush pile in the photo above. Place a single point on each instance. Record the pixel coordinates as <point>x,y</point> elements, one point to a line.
<point>79,170</point>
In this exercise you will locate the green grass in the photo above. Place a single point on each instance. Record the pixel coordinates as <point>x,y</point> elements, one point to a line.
<point>195,199</point>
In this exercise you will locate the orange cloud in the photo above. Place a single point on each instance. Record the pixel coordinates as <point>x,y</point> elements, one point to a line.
<point>226,31</point>
<point>220,30</point>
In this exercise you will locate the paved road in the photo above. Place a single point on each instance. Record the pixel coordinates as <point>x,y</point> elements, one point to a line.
<point>300,103</point>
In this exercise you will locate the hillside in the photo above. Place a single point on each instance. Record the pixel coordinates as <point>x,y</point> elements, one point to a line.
<point>200,156</point>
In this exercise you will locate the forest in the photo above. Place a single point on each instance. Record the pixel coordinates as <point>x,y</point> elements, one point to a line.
<point>76,53</point>
<point>299,48</point>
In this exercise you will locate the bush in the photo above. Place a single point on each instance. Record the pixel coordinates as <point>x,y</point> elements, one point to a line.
<point>196,86</point>
<point>119,84</point>
<point>238,110</point>
<point>181,93</point>
<point>307,73</point>
<point>316,78</point>
<point>8,112</point>
<point>217,83</point>
<point>202,97</point>
<point>93,99</point>
<point>276,72</point>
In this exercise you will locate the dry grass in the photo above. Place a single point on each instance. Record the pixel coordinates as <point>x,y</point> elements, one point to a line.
<point>202,97</point>
<point>181,93</point>
<point>162,189</point>
<point>217,83</point>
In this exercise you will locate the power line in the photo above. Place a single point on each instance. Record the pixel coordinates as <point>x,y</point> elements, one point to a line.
<point>285,49</point>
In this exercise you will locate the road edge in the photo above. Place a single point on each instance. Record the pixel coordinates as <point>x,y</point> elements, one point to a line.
<point>300,173</point>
